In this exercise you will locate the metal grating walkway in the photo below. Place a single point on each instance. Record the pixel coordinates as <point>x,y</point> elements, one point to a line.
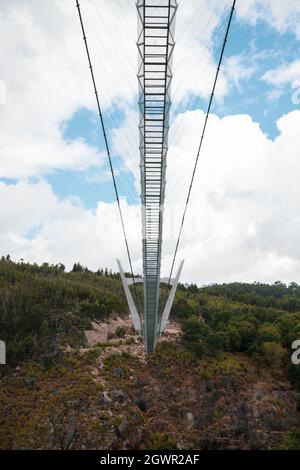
<point>155,45</point>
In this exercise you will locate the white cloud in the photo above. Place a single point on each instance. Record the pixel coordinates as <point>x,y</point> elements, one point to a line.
<point>125,140</point>
<point>243,222</point>
<point>44,69</point>
<point>243,219</point>
<point>45,72</point>
<point>25,155</point>
<point>281,15</point>
<point>237,68</point>
<point>194,67</point>
<point>287,74</point>
<point>39,227</point>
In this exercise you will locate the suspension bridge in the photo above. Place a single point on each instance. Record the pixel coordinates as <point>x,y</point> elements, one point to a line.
<point>155,48</point>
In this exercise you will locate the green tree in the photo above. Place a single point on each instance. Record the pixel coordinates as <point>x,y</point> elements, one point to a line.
<point>247,333</point>
<point>292,440</point>
<point>195,329</point>
<point>184,308</point>
<point>234,338</point>
<point>218,341</point>
<point>273,353</point>
<point>268,332</point>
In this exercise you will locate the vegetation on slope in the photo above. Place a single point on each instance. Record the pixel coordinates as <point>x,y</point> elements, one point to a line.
<point>43,307</point>
<point>259,320</point>
<point>227,382</point>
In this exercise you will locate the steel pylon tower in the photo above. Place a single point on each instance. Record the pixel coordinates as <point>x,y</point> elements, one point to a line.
<point>156,23</point>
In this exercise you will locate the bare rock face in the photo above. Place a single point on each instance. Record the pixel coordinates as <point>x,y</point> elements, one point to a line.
<point>105,399</point>
<point>119,396</point>
<point>123,428</point>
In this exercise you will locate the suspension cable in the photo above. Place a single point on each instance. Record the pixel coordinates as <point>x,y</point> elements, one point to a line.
<point>203,134</point>
<point>107,147</point>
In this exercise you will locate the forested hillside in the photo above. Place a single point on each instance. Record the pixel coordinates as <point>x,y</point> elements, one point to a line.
<point>226,381</point>
<point>43,308</point>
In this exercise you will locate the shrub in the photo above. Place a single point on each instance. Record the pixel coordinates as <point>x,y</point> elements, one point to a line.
<point>218,341</point>
<point>184,308</point>
<point>195,329</point>
<point>158,441</point>
<point>272,352</point>
<point>268,332</point>
<point>121,331</point>
<point>292,440</point>
<point>234,338</point>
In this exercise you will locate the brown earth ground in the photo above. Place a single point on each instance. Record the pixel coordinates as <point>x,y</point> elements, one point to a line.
<point>110,395</point>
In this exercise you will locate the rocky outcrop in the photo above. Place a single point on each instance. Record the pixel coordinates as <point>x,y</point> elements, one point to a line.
<point>169,399</point>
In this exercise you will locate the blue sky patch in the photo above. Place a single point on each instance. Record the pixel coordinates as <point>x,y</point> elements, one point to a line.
<point>259,48</point>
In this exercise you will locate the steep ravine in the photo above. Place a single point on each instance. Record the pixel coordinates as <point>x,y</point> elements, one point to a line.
<point>111,396</point>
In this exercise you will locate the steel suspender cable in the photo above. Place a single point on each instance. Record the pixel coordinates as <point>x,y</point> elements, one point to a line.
<point>107,146</point>
<point>202,135</point>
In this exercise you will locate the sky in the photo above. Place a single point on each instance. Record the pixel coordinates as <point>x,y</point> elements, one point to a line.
<point>57,198</point>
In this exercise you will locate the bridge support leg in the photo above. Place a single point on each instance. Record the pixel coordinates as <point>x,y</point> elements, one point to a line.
<point>168,306</point>
<point>2,352</point>
<point>132,308</point>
